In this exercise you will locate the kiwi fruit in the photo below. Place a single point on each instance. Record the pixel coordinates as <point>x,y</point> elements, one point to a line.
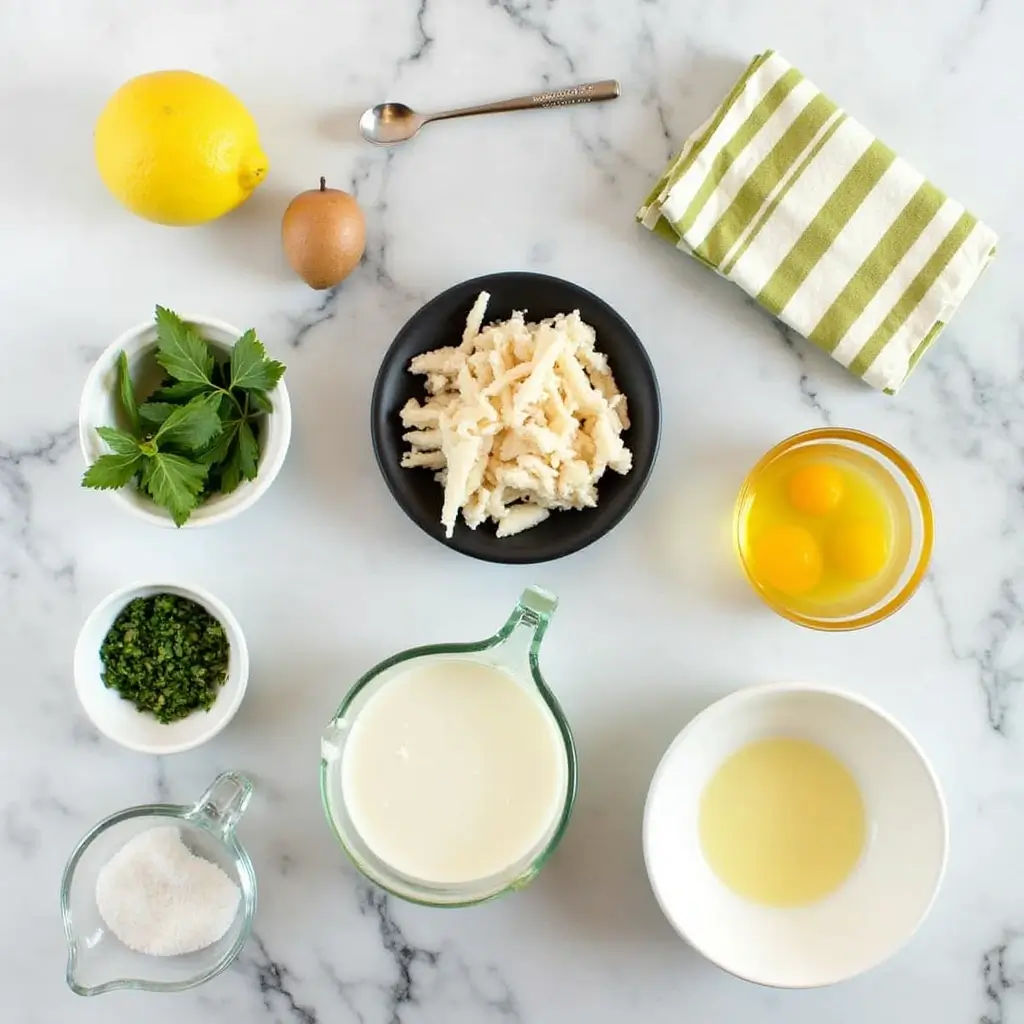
<point>324,234</point>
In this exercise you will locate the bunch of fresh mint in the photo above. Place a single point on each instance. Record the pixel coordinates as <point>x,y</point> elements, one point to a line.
<point>198,434</point>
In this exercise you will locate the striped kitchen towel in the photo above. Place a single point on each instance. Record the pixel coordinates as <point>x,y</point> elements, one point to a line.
<point>783,193</point>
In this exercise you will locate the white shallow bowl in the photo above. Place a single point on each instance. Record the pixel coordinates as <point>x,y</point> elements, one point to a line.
<point>100,407</point>
<point>119,719</point>
<point>887,895</point>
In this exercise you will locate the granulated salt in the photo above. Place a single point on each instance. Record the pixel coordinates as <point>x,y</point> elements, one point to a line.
<point>159,898</point>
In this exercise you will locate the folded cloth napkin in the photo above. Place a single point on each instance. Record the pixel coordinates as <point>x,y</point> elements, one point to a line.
<point>783,193</point>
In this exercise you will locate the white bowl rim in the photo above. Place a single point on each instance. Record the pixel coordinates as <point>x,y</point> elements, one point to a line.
<point>247,493</point>
<point>216,607</point>
<point>766,689</point>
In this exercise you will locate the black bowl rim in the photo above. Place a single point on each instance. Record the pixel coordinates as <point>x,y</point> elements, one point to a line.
<point>574,543</point>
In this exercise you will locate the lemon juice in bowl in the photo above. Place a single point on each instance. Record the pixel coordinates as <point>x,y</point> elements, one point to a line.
<point>833,529</point>
<point>782,822</point>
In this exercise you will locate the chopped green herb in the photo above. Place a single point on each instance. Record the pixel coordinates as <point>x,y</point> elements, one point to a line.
<point>198,434</point>
<point>167,655</point>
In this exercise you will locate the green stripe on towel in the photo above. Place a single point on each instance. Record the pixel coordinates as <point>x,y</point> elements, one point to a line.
<point>773,99</point>
<point>770,172</point>
<point>772,206</point>
<point>916,291</point>
<point>877,267</point>
<point>823,230</point>
<point>814,217</point>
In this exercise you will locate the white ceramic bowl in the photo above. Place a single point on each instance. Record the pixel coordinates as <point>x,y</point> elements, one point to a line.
<point>880,905</point>
<point>119,719</point>
<point>100,407</point>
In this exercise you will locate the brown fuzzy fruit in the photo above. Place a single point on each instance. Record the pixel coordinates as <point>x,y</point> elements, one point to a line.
<point>323,233</point>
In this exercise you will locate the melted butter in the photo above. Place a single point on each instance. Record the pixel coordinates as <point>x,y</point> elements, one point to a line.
<point>782,822</point>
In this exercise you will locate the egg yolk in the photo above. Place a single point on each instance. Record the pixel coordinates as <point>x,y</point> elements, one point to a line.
<point>859,549</point>
<point>788,558</point>
<point>816,489</point>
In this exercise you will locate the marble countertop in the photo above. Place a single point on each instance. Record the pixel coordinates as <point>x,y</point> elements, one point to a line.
<point>326,574</point>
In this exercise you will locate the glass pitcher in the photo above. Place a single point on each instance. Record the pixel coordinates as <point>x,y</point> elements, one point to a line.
<point>97,960</point>
<point>515,648</point>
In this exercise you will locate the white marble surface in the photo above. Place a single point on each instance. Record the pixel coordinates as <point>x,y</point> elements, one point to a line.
<point>326,574</point>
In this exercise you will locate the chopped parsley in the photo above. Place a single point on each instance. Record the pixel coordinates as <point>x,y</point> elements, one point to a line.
<point>167,655</point>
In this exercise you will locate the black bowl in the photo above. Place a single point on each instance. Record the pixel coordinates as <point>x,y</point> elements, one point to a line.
<point>441,322</point>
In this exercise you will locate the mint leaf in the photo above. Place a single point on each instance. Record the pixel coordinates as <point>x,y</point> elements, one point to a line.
<point>230,472</point>
<point>230,406</point>
<point>127,391</point>
<point>191,426</point>
<point>219,448</point>
<point>250,367</point>
<point>174,483</point>
<point>180,350</point>
<point>180,391</point>
<point>154,413</point>
<point>118,441</point>
<point>259,401</point>
<point>248,451</point>
<point>109,472</point>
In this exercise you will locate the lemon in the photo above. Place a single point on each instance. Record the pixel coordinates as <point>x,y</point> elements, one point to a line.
<point>178,148</point>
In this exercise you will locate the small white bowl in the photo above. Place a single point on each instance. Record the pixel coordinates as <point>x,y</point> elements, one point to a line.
<point>876,910</point>
<point>100,407</point>
<point>119,719</point>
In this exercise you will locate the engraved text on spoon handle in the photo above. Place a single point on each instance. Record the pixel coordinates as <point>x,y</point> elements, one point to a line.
<point>591,92</point>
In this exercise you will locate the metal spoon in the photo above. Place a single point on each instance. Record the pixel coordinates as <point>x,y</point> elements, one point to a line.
<point>388,123</point>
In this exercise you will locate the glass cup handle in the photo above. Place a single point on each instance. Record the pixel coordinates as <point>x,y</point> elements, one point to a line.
<point>223,804</point>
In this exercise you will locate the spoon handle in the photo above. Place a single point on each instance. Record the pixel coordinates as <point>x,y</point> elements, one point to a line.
<point>591,92</point>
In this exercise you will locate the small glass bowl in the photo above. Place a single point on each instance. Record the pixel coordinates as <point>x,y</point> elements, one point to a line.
<point>98,961</point>
<point>919,526</point>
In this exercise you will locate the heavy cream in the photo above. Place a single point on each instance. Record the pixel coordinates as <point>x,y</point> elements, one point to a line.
<point>453,771</point>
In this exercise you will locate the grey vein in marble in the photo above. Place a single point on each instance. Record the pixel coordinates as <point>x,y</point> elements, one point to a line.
<point>423,40</point>
<point>1002,974</point>
<point>809,394</point>
<point>406,956</point>
<point>1000,682</point>
<point>421,977</point>
<point>522,14</point>
<point>272,979</point>
<point>16,518</point>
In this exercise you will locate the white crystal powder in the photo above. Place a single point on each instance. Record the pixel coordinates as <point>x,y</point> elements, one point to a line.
<point>159,898</point>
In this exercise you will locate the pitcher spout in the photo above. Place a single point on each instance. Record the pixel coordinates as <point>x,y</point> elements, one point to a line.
<point>518,642</point>
<point>89,968</point>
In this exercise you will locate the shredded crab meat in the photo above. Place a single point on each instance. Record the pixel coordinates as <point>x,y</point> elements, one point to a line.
<point>518,420</point>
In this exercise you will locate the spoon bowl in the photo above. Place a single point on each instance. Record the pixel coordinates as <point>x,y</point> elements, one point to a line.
<point>388,123</point>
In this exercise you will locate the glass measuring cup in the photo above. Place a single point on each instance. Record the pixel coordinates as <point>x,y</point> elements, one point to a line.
<point>97,960</point>
<point>515,648</point>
